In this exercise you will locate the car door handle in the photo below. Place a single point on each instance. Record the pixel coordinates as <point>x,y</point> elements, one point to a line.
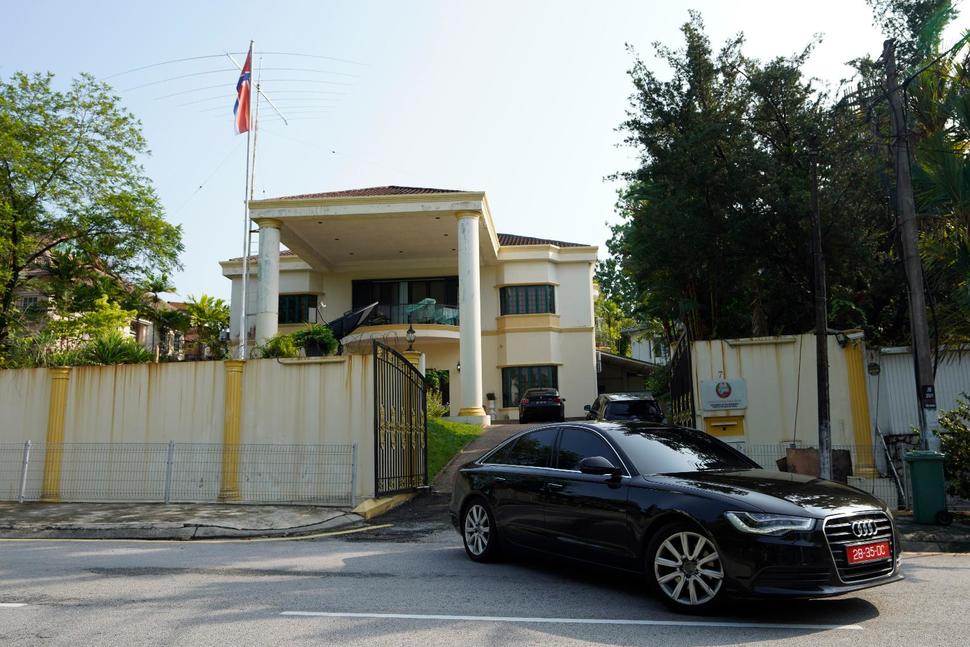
<point>554,487</point>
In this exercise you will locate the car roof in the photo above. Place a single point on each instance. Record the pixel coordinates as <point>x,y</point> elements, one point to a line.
<point>542,389</point>
<point>631,395</point>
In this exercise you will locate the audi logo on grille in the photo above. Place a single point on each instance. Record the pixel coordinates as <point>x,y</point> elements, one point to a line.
<point>864,528</point>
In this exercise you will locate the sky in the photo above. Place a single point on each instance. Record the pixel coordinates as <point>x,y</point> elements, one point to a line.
<point>520,99</point>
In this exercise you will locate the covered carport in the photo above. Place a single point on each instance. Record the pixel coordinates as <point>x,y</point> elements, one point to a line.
<point>617,374</point>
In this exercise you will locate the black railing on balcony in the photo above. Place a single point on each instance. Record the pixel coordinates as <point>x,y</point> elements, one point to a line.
<point>414,313</point>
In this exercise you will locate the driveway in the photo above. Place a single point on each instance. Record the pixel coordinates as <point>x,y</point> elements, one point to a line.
<point>489,438</point>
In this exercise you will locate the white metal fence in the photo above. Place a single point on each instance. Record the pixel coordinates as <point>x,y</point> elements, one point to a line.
<point>181,472</point>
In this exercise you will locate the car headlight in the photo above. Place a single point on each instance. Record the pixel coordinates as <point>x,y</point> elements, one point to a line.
<point>760,523</point>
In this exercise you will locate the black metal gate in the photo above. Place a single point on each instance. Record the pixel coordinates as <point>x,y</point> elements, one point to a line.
<point>400,423</point>
<point>682,410</point>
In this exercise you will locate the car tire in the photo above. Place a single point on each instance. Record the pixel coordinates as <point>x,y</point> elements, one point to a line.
<point>684,568</point>
<point>479,533</point>
<point>523,419</point>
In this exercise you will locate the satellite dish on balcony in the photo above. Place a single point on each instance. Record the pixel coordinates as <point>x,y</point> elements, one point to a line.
<point>349,322</point>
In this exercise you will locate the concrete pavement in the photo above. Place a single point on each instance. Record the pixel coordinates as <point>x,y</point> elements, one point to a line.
<point>160,521</point>
<point>411,584</point>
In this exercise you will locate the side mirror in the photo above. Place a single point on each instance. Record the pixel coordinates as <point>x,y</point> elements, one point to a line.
<point>599,466</point>
<point>587,408</point>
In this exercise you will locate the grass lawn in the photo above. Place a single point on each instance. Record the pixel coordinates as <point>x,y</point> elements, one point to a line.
<point>444,440</point>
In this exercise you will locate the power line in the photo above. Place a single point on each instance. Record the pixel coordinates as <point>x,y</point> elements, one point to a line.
<point>207,56</point>
<point>223,96</point>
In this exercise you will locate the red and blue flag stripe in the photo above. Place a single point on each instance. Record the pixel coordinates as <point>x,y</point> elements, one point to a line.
<point>241,109</point>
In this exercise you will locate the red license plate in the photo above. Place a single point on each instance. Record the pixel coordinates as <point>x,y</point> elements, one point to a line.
<point>868,552</point>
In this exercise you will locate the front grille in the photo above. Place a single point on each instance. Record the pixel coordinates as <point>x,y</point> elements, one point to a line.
<point>838,532</point>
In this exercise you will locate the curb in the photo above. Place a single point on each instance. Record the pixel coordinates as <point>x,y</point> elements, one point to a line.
<point>186,532</point>
<point>374,507</point>
<point>935,546</point>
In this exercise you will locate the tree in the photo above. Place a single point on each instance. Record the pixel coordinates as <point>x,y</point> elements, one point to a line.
<point>611,321</point>
<point>210,317</point>
<point>715,220</point>
<point>103,319</point>
<point>71,185</point>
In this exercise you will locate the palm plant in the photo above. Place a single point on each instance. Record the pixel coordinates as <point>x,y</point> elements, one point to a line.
<point>210,317</point>
<point>155,284</point>
<point>115,348</point>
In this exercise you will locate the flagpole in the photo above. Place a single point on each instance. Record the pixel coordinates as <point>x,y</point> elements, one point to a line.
<point>243,327</point>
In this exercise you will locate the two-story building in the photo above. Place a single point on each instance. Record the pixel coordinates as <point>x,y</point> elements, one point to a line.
<point>500,313</point>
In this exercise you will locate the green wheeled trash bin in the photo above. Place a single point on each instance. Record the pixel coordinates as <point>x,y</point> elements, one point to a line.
<point>928,487</point>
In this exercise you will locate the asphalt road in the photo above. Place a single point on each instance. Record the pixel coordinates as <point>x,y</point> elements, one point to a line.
<point>410,584</point>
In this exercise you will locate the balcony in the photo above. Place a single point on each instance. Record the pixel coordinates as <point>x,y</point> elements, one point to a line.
<point>414,313</point>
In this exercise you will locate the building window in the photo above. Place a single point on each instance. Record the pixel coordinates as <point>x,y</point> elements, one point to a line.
<point>516,380</point>
<point>28,305</point>
<point>528,299</point>
<point>295,308</point>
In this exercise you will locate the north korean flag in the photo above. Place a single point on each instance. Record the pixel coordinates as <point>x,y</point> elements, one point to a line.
<point>241,109</point>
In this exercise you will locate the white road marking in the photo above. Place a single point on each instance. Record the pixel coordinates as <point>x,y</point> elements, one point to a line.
<point>11,605</point>
<point>574,621</point>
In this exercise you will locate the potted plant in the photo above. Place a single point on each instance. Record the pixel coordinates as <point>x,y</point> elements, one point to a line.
<point>490,405</point>
<point>316,340</point>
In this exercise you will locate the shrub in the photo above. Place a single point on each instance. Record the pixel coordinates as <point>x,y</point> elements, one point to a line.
<point>954,436</point>
<point>114,348</point>
<point>315,337</point>
<point>279,346</point>
<point>436,408</point>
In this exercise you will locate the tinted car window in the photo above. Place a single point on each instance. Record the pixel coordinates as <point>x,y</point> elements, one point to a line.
<point>577,444</point>
<point>668,451</point>
<point>532,450</point>
<point>633,410</point>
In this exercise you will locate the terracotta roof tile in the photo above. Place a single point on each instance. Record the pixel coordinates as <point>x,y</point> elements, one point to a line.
<point>369,191</point>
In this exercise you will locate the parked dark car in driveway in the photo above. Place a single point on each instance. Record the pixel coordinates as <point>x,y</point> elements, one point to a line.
<point>638,405</point>
<point>701,521</point>
<point>541,404</point>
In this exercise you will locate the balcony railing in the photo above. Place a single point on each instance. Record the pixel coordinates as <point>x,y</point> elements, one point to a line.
<point>414,313</point>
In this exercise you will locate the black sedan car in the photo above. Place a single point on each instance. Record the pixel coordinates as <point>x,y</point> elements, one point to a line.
<point>640,405</point>
<point>542,404</point>
<point>699,519</point>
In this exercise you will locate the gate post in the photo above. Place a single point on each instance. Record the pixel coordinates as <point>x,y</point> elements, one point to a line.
<point>229,488</point>
<point>54,447</point>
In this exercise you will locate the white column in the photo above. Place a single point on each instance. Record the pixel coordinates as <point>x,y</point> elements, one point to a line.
<point>268,288</point>
<point>470,315</point>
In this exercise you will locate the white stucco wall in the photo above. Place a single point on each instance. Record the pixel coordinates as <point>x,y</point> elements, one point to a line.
<point>780,377</point>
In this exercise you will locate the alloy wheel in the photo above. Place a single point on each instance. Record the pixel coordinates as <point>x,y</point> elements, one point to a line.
<point>477,529</point>
<point>688,568</point>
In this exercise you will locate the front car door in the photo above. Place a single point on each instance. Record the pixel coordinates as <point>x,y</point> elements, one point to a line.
<point>518,474</point>
<point>586,514</point>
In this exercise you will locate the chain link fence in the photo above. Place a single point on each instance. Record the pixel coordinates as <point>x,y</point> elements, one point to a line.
<point>181,472</point>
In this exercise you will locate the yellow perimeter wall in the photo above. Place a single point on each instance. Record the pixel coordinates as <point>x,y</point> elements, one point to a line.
<point>318,402</point>
<point>782,396</point>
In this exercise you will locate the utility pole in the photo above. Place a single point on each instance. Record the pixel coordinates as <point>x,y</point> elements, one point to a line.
<point>821,325</point>
<point>909,235</point>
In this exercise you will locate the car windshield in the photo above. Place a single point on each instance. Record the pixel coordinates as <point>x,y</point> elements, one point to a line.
<point>633,410</point>
<point>538,393</point>
<point>669,451</point>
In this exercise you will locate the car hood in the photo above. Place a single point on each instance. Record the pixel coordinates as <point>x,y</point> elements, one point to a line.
<point>777,492</point>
